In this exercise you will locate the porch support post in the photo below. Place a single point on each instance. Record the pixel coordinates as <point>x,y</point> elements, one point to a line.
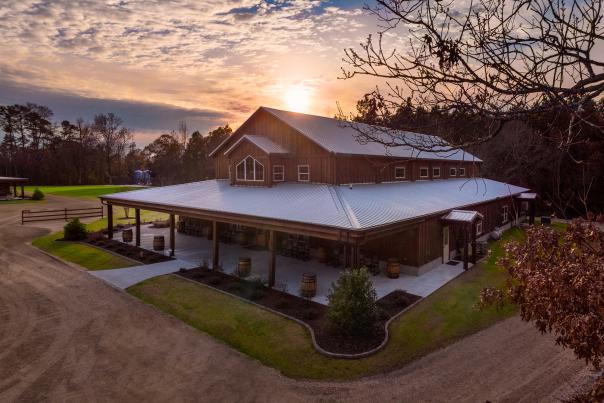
<point>172,235</point>
<point>355,256</point>
<point>215,245</point>
<point>15,189</point>
<point>272,260</point>
<point>473,235</point>
<point>465,247</point>
<point>137,218</point>
<point>110,221</point>
<point>346,256</point>
<point>22,191</point>
<point>532,212</point>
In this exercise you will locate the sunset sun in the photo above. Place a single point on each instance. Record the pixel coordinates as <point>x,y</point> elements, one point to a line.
<point>297,98</point>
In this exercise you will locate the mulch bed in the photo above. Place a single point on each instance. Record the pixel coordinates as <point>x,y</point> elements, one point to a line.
<point>130,251</point>
<point>312,313</point>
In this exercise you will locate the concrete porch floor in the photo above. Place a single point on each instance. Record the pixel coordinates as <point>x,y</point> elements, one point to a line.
<point>289,270</point>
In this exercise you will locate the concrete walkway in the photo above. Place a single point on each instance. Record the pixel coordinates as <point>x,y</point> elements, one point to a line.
<point>124,278</point>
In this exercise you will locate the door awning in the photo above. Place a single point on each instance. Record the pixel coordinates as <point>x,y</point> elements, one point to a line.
<point>462,216</point>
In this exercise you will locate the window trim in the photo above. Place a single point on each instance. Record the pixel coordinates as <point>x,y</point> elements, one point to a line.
<point>505,214</point>
<point>404,176</point>
<point>304,173</point>
<point>282,173</point>
<point>479,229</point>
<point>433,172</point>
<point>245,179</point>
<point>427,172</point>
<point>452,171</point>
<point>462,171</point>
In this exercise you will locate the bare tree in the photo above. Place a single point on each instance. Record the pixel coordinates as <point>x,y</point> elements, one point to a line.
<point>113,139</point>
<point>497,60</point>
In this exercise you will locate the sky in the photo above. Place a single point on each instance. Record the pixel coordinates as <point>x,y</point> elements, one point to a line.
<point>155,63</point>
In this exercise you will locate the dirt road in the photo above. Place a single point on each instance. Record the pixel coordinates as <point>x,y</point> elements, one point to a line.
<point>67,336</point>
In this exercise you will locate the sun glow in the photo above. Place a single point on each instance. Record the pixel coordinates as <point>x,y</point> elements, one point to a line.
<point>297,98</point>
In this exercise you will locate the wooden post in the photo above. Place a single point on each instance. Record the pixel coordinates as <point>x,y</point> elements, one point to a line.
<point>473,235</point>
<point>172,235</point>
<point>137,218</point>
<point>465,247</point>
<point>15,189</point>
<point>346,256</point>
<point>355,256</point>
<point>22,192</point>
<point>215,245</point>
<point>273,258</point>
<point>532,212</point>
<point>110,221</point>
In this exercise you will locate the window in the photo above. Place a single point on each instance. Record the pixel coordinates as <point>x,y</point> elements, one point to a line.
<point>249,170</point>
<point>436,172</point>
<point>423,172</point>
<point>400,172</point>
<point>452,172</point>
<point>303,173</point>
<point>462,172</point>
<point>278,173</point>
<point>479,227</point>
<point>505,214</point>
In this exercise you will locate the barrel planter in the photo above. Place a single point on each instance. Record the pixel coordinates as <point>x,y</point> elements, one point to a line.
<point>127,235</point>
<point>308,287</point>
<point>393,268</point>
<point>244,267</point>
<point>159,242</point>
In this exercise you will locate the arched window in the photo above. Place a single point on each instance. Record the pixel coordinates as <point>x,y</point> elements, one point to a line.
<point>249,169</point>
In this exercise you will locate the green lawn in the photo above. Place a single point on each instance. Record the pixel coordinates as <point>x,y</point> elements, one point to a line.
<point>90,191</point>
<point>440,319</point>
<point>86,256</point>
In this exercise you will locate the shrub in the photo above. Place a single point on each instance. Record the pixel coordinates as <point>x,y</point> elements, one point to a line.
<point>74,230</point>
<point>257,289</point>
<point>37,194</point>
<point>352,308</point>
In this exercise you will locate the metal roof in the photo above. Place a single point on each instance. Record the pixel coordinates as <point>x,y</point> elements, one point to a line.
<point>264,143</point>
<point>341,137</point>
<point>468,216</point>
<point>357,207</point>
<point>527,196</point>
<point>12,179</point>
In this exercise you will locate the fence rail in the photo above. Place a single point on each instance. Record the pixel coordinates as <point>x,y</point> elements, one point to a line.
<point>61,214</point>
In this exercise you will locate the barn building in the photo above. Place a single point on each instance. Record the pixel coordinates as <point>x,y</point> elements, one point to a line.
<point>305,186</point>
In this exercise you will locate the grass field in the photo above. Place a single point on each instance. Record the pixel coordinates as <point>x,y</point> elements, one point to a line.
<point>440,319</point>
<point>91,191</point>
<point>87,256</point>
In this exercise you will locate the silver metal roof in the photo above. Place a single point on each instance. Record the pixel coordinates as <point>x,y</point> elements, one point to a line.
<point>340,137</point>
<point>264,143</point>
<point>462,216</point>
<point>527,196</point>
<point>12,179</point>
<point>357,207</point>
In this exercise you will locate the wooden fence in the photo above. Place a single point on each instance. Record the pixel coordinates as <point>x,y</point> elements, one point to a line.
<point>62,214</point>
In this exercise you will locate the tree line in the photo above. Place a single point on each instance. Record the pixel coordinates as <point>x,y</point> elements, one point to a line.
<point>100,151</point>
<point>563,163</point>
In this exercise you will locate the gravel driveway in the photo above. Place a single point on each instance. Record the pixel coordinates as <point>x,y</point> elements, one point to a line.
<point>67,336</point>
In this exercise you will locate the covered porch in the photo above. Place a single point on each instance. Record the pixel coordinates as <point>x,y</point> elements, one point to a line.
<point>272,267</point>
<point>9,185</point>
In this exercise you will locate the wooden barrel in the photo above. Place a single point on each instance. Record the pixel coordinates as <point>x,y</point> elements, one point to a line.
<point>244,267</point>
<point>127,235</point>
<point>321,254</point>
<point>159,242</point>
<point>242,238</point>
<point>393,268</point>
<point>308,288</point>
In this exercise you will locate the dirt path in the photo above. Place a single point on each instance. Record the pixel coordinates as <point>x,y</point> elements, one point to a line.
<point>67,336</point>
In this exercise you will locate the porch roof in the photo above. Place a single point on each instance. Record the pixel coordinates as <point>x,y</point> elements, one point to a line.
<point>10,179</point>
<point>465,216</point>
<point>359,207</point>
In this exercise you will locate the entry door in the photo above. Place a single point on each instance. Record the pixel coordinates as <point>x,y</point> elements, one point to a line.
<point>445,244</point>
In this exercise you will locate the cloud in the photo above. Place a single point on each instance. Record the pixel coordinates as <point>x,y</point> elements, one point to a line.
<point>147,120</point>
<point>222,55</point>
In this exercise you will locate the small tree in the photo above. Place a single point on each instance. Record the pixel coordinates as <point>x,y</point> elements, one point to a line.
<point>37,194</point>
<point>74,230</point>
<point>352,309</point>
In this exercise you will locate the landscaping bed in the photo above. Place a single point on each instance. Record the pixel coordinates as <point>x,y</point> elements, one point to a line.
<point>307,311</point>
<point>130,251</point>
